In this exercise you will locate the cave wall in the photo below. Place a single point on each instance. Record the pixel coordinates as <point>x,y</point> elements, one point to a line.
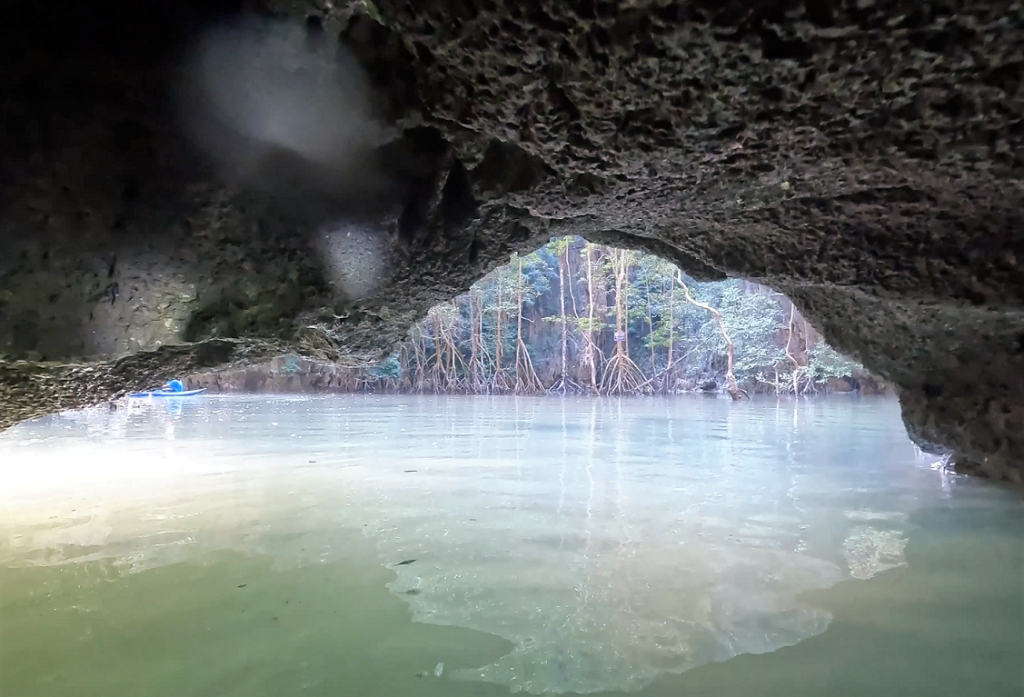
<point>862,157</point>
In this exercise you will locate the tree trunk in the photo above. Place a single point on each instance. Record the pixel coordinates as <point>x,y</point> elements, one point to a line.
<point>526,376</point>
<point>618,265</point>
<point>789,355</point>
<point>438,367</point>
<point>422,363</point>
<point>671,335</point>
<point>650,322</point>
<point>568,269</point>
<point>562,318</point>
<point>474,356</point>
<point>730,378</point>
<point>484,357</point>
<point>519,324</point>
<point>498,376</point>
<point>562,383</point>
<point>591,352</point>
<point>621,374</point>
<point>621,290</point>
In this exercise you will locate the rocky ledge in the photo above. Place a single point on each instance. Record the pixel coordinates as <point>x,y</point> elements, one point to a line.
<point>189,185</point>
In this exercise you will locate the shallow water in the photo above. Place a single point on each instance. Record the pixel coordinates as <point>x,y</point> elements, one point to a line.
<point>400,546</point>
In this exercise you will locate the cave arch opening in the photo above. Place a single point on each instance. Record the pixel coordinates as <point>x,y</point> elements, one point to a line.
<point>574,317</point>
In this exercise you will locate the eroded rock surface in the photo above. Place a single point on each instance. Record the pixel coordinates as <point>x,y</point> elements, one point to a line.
<point>863,157</point>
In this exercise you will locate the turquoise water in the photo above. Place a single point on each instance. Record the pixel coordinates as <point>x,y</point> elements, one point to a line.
<point>430,546</point>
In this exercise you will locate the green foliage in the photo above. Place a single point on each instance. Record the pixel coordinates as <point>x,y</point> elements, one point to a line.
<point>558,246</point>
<point>388,369</point>
<point>750,321</point>
<point>536,276</point>
<point>753,321</point>
<point>825,362</point>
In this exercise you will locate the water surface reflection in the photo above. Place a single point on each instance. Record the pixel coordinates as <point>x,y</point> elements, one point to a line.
<point>609,542</point>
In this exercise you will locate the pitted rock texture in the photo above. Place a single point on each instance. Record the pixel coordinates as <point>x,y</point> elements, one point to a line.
<point>864,157</point>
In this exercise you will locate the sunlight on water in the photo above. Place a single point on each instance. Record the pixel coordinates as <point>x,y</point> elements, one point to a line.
<point>444,546</point>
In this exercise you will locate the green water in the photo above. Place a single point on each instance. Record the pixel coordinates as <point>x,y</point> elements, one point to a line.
<point>246,546</point>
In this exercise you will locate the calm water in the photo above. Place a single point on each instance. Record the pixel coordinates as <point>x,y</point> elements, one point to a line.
<point>400,546</point>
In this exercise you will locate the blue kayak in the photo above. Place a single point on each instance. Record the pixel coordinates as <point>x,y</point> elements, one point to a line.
<point>168,393</point>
